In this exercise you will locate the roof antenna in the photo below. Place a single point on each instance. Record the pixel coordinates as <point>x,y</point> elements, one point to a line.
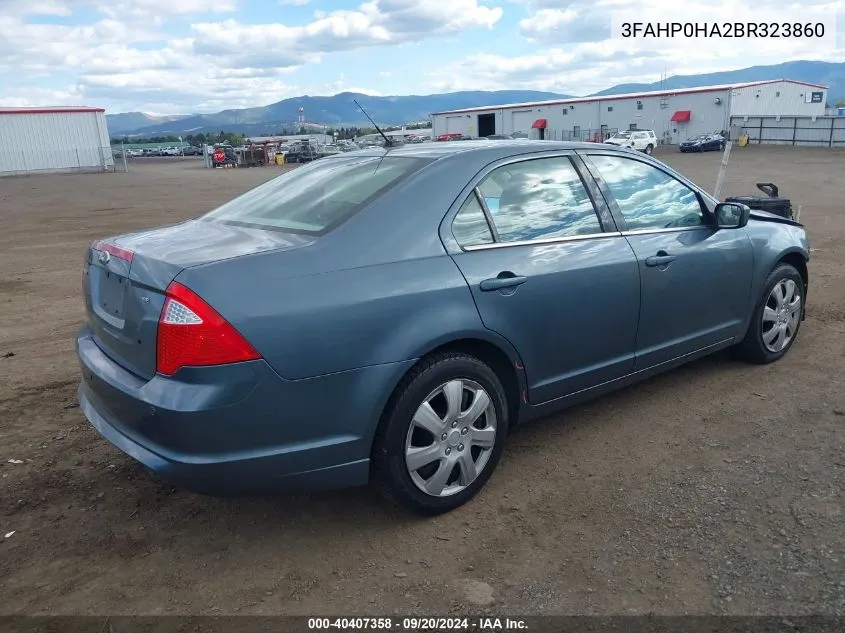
<point>387,142</point>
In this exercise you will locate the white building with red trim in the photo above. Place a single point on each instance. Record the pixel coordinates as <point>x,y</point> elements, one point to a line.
<point>54,140</point>
<point>674,115</point>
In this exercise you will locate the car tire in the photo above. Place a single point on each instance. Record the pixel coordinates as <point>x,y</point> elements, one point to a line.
<point>757,347</point>
<point>649,149</point>
<point>420,394</point>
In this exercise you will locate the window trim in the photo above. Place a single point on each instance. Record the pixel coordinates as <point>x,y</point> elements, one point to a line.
<point>541,241</point>
<point>612,203</point>
<point>600,208</point>
<point>491,226</point>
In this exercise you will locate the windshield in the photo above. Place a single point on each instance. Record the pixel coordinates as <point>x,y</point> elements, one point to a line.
<point>316,198</point>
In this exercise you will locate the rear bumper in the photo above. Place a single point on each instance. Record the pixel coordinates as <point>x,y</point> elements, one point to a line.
<point>237,428</point>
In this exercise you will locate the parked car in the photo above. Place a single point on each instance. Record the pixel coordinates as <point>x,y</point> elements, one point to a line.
<point>498,137</point>
<point>640,140</point>
<point>301,153</point>
<point>452,136</point>
<point>329,150</point>
<point>703,143</point>
<point>389,315</point>
<point>346,145</point>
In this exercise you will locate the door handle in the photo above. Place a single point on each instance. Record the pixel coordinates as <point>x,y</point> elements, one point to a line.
<point>502,281</point>
<point>661,259</point>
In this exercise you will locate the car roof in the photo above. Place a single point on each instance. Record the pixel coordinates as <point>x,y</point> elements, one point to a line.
<point>495,148</point>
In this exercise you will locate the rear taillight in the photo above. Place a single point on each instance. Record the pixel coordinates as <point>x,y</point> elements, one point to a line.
<point>191,333</point>
<point>114,250</point>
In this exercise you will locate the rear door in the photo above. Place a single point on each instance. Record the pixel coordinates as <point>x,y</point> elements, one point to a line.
<point>641,140</point>
<point>696,279</point>
<point>548,271</point>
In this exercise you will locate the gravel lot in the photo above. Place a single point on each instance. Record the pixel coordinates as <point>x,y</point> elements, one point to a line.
<point>718,488</point>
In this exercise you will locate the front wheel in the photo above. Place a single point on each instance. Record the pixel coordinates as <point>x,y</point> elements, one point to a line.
<point>776,318</point>
<point>649,149</point>
<point>442,434</point>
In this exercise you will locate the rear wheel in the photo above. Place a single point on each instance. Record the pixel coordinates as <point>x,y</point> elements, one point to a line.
<point>649,149</point>
<point>442,434</point>
<point>777,317</point>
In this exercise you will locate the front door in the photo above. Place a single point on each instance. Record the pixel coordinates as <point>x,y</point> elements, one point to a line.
<point>545,275</point>
<point>695,278</point>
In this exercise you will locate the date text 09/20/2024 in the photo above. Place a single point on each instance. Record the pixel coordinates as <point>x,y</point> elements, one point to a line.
<point>480,624</point>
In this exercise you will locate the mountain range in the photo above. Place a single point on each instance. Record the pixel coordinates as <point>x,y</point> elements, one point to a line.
<point>340,110</point>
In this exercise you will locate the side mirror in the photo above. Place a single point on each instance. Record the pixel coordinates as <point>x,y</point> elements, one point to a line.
<point>731,215</point>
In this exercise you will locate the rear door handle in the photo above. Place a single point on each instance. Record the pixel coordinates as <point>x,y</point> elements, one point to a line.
<point>661,259</point>
<point>504,280</point>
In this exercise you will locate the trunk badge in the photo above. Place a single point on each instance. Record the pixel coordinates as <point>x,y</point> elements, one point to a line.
<point>104,257</point>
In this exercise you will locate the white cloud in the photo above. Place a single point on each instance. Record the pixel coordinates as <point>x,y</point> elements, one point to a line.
<point>555,22</point>
<point>160,9</point>
<point>593,66</point>
<point>118,9</point>
<point>197,55</point>
<point>375,23</point>
<point>578,57</point>
<point>215,65</point>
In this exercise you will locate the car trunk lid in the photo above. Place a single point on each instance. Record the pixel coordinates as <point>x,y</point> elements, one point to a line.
<point>126,279</point>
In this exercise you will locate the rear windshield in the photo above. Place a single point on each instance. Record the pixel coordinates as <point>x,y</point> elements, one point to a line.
<point>317,197</point>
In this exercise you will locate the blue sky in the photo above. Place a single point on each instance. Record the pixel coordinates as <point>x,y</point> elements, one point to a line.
<point>183,56</point>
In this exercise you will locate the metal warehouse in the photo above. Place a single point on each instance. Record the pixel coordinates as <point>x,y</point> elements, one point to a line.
<point>54,139</point>
<point>674,115</point>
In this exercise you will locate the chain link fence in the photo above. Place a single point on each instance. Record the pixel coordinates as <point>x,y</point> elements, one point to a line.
<point>587,135</point>
<point>821,131</point>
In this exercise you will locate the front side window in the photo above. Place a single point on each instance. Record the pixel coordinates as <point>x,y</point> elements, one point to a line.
<point>316,198</point>
<point>648,198</point>
<point>538,199</point>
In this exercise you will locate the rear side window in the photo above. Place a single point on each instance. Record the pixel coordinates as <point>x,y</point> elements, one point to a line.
<point>316,198</point>
<point>539,199</point>
<point>470,226</point>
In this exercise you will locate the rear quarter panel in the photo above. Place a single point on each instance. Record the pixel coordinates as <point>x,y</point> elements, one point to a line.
<point>334,321</point>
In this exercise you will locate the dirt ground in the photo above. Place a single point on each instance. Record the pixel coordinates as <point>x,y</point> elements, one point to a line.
<point>718,488</point>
